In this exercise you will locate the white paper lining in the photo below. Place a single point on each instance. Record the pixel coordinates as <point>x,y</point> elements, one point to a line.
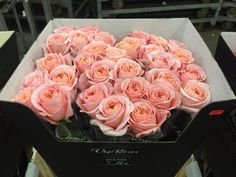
<point>230,39</point>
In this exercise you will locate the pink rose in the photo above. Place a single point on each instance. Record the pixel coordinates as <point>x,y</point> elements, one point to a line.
<point>105,37</point>
<point>131,45</point>
<point>33,80</point>
<point>147,49</point>
<point>163,96</point>
<point>158,40</point>
<point>100,71</point>
<point>141,35</point>
<point>174,45</point>
<point>195,95</point>
<point>163,75</point>
<point>191,72</point>
<point>97,47</point>
<point>114,54</point>
<point>84,60</point>
<point>78,41</point>
<point>24,96</point>
<point>64,29</point>
<point>90,29</point>
<point>57,43</point>
<point>146,119</point>
<point>52,101</point>
<point>163,60</point>
<point>64,75</point>
<point>51,61</point>
<point>125,68</point>
<point>83,82</point>
<point>89,99</point>
<point>134,87</point>
<point>114,116</point>
<point>183,55</point>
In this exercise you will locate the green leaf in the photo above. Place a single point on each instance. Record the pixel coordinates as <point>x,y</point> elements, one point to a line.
<point>62,131</point>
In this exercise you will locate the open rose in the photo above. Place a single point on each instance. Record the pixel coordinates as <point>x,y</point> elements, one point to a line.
<point>64,75</point>
<point>51,61</point>
<point>91,30</point>
<point>163,96</point>
<point>146,49</point>
<point>195,95</point>
<point>105,37</point>
<point>33,80</point>
<point>174,45</point>
<point>163,60</point>
<point>158,40</point>
<point>141,35</point>
<point>127,68</point>
<point>78,41</point>
<point>114,116</point>
<point>146,119</point>
<point>24,96</point>
<point>183,55</point>
<point>131,45</point>
<point>114,54</point>
<point>52,101</point>
<point>191,72</point>
<point>57,43</point>
<point>84,60</point>
<point>97,47</point>
<point>134,87</point>
<point>89,99</point>
<point>163,75</point>
<point>100,71</point>
<point>64,29</point>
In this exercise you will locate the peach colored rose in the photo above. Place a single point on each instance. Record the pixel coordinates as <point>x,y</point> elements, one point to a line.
<point>114,54</point>
<point>52,102</point>
<point>89,99</point>
<point>131,45</point>
<point>97,47</point>
<point>134,87</point>
<point>90,29</point>
<point>146,119</point>
<point>84,60</point>
<point>78,40</point>
<point>57,43</point>
<point>195,95</point>
<point>141,35</point>
<point>163,60</point>
<point>51,61</point>
<point>147,49</point>
<point>163,75</point>
<point>174,45</point>
<point>83,82</point>
<point>24,96</point>
<point>158,40</point>
<point>33,80</point>
<point>183,55</point>
<point>100,71</point>
<point>64,75</point>
<point>163,96</point>
<point>125,68</point>
<point>64,29</point>
<point>105,37</point>
<point>191,72</point>
<point>114,115</point>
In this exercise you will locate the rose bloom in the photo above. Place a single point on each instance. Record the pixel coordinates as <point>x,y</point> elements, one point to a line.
<point>64,29</point>
<point>114,54</point>
<point>134,87</point>
<point>163,75</point>
<point>174,45</point>
<point>24,96</point>
<point>33,80</point>
<point>64,75</point>
<point>97,47</point>
<point>105,37</point>
<point>57,43</point>
<point>146,119</point>
<point>125,68</point>
<point>51,61</point>
<point>191,72</point>
<point>52,102</point>
<point>158,40</point>
<point>163,60</point>
<point>163,96</point>
<point>90,29</point>
<point>78,41</point>
<point>183,55</point>
<point>89,99</point>
<point>100,71</point>
<point>114,115</point>
<point>84,60</point>
<point>141,35</point>
<point>131,45</point>
<point>147,49</point>
<point>195,95</point>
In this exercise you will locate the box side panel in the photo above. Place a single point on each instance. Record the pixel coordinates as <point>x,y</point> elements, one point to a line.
<point>230,39</point>
<point>219,86</point>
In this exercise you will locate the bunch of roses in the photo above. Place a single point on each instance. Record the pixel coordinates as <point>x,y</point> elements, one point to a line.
<point>125,87</point>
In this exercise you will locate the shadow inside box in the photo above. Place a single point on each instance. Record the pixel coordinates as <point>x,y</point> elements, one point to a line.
<point>122,158</point>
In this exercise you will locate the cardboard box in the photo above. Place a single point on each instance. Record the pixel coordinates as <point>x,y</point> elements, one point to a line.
<point>69,159</point>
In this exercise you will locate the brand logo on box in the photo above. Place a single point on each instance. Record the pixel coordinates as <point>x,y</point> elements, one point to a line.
<point>117,151</point>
